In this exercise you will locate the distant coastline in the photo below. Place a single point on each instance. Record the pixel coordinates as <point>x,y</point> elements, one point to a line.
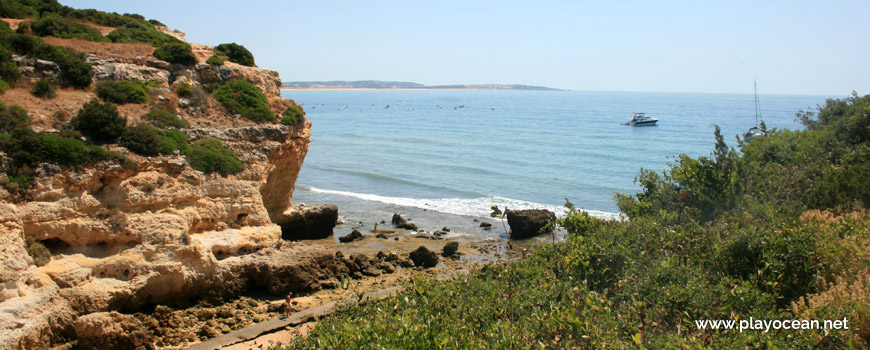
<point>401,85</point>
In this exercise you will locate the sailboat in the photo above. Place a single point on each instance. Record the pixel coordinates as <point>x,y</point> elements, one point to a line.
<point>755,131</point>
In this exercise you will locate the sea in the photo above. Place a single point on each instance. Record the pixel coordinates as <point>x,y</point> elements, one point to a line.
<point>445,157</point>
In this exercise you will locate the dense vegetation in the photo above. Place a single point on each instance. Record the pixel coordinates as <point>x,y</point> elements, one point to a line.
<point>57,26</point>
<point>121,92</point>
<point>215,60</point>
<point>149,141</point>
<point>141,32</point>
<point>175,52</point>
<point>292,116</point>
<point>242,97</point>
<point>99,121</point>
<point>211,155</point>
<point>235,53</point>
<point>776,231</point>
<point>77,72</point>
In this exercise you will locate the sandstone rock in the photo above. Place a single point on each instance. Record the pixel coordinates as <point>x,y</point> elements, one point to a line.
<point>424,257</point>
<point>528,223</point>
<point>309,222</point>
<point>113,70</point>
<point>450,249</point>
<point>353,236</point>
<point>110,331</point>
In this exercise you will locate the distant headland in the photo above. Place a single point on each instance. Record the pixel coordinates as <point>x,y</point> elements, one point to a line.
<point>402,85</point>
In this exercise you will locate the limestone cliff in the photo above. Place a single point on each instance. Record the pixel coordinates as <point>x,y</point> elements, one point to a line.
<point>127,237</point>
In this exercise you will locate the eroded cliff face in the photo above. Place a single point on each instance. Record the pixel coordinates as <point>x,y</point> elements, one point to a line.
<point>124,238</point>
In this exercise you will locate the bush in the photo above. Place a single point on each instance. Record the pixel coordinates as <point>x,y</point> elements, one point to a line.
<point>173,140</point>
<point>31,149</point>
<point>242,97</point>
<point>235,53</point>
<point>164,119</point>
<point>43,89</point>
<point>121,92</point>
<point>211,155</point>
<point>292,115</point>
<point>16,185</point>
<point>40,254</point>
<point>99,121</point>
<point>56,26</point>
<point>13,118</point>
<point>9,73</point>
<point>3,86</point>
<point>142,139</point>
<point>214,60</point>
<point>140,32</point>
<point>175,52</point>
<point>183,90</point>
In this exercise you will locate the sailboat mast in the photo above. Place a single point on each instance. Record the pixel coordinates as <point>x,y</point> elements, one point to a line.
<point>755,90</point>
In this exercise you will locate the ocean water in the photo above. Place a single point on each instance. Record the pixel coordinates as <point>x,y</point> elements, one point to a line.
<point>459,152</point>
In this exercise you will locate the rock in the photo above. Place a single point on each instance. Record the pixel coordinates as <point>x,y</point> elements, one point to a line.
<point>353,236</point>
<point>309,222</point>
<point>111,330</point>
<point>424,257</point>
<point>400,222</point>
<point>439,233</point>
<point>381,235</point>
<point>445,229</point>
<point>496,212</point>
<point>485,225</point>
<point>450,249</point>
<point>528,223</point>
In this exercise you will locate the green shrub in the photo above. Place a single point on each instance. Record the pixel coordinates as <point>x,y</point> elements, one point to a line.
<point>4,86</point>
<point>211,155</point>
<point>56,26</point>
<point>23,28</point>
<point>13,118</point>
<point>95,16</point>
<point>235,53</point>
<point>164,119</point>
<point>77,72</point>
<point>214,60</point>
<point>17,184</point>
<point>140,32</point>
<point>121,92</point>
<point>183,90</point>
<point>99,121</point>
<point>142,139</point>
<point>43,89</point>
<point>292,116</point>
<point>9,72</point>
<point>242,97</point>
<point>175,52</point>
<point>40,254</point>
<point>18,9</point>
<point>173,140</point>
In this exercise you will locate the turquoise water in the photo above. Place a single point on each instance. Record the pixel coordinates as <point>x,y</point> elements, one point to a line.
<point>514,149</point>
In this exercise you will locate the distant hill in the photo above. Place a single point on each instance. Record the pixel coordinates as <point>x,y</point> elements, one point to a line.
<point>377,84</point>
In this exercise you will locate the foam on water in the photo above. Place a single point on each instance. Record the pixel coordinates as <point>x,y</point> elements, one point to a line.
<point>476,207</point>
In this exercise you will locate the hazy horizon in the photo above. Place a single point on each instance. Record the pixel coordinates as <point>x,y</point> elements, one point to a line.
<point>790,47</point>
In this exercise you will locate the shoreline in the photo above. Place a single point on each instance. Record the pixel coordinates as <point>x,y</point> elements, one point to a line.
<point>398,89</point>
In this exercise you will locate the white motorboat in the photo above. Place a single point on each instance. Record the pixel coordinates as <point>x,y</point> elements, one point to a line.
<point>641,119</point>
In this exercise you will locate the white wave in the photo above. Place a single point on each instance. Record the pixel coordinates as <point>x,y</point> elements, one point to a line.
<point>478,207</point>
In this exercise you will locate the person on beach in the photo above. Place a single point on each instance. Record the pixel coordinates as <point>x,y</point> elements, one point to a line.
<point>288,303</point>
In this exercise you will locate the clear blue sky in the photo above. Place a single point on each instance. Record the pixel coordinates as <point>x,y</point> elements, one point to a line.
<point>791,47</point>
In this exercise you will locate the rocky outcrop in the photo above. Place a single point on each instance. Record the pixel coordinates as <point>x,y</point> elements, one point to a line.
<point>308,222</point>
<point>450,249</point>
<point>267,80</point>
<point>529,223</point>
<point>400,222</point>
<point>146,70</point>
<point>424,257</point>
<point>355,235</point>
<point>36,69</point>
<point>111,331</point>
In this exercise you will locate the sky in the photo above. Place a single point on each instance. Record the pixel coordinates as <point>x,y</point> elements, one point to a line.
<point>789,47</point>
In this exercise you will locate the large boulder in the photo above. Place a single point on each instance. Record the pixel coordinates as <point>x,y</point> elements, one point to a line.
<point>424,257</point>
<point>309,222</point>
<point>111,330</point>
<point>528,223</point>
<point>353,236</point>
<point>400,222</point>
<point>450,249</point>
